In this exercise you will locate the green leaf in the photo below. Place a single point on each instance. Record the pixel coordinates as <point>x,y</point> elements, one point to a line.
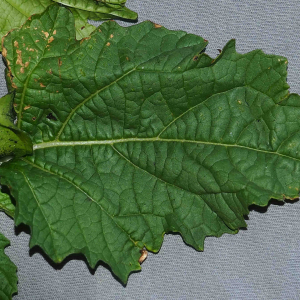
<point>13,141</point>
<point>8,276</point>
<point>83,28</point>
<point>15,12</point>
<point>137,133</point>
<point>114,8</point>
<point>6,205</point>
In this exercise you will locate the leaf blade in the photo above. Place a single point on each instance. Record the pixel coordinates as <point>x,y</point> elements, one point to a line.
<point>15,13</point>
<point>14,142</point>
<point>8,282</point>
<point>113,8</point>
<point>6,205</point>
<point>165,139</point>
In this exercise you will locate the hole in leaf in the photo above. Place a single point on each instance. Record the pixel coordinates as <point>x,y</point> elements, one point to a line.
<point>51,117</point>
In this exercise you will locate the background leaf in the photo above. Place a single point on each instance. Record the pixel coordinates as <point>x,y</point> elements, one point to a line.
<point>83,28</point>
<point>6,205</point>
<point>15,12</point>
<point>164,140</point>
<point>13,142</point>
<point>8,276</point>
<point>114,8</point>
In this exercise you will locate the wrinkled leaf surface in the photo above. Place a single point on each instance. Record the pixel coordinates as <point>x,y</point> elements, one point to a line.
<point>136,133</point>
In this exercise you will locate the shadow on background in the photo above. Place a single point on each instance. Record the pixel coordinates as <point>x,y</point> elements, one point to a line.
<point>81,257</point>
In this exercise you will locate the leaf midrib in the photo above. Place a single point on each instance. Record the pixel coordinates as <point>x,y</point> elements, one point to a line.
<point>155,139</point>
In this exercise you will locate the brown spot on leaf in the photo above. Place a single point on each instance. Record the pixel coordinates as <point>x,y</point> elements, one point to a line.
<point>84,39</point>
<point>54,32</point>
<point>108,44</point>
<point>19,58</point>
<point>37,41</point>
<point>33,118</point>
<point>195,58</point>
<point>127,58</point>
<point>205,41</point>
<point>16,44</point>
<point>82,27</point>
<point>4,52</point>
<point>157,25</point>
<point>41,85</point>
<point>111,36</point>
<point>22,70</point>
<point>45,33</point>
<point>144,254</point>
<point>220,50</point>
<point>49,71</point>
<point>27,107</point>
<point>59,65</point>
<point>50,40</point>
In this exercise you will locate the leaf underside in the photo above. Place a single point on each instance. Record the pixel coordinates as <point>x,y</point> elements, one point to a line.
<point>137,133</point>
<point>8,276</point>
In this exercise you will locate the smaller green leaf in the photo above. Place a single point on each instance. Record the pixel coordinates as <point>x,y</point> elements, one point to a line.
<point>8,276</point>
<point>83,28</point>
<point>6,205</point>
<point>13,141</point>
<point>15,12</point>
<point>115,8</point>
